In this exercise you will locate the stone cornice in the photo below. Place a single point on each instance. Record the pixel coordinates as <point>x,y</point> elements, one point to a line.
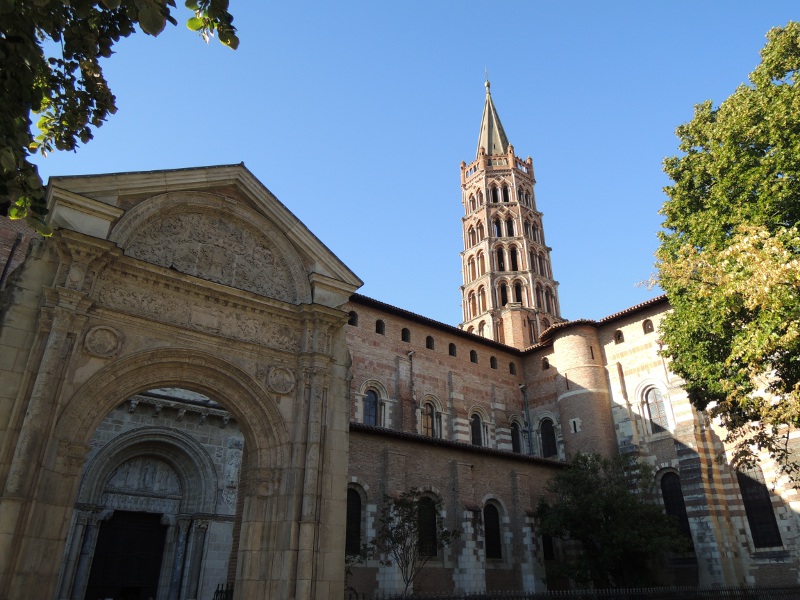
<point>69,210</point>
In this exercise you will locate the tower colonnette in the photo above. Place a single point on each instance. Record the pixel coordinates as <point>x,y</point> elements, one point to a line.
<point>509,294</point>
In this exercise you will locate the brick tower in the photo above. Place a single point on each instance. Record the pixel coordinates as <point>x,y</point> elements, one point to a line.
<point>509,294</point>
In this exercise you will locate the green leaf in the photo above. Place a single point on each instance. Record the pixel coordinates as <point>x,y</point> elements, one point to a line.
<point>195,24</point>
<point>151,20</point>
<point>192,5</point>
<point>7,159</point>
<point>112,4</point>
<point>17,212</point>
<point>229,38</point>
<point>40,226</point>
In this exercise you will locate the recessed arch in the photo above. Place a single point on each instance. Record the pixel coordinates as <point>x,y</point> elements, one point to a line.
<point>547,436</point>
<point>516,430</point>
<point>492,531</point>
<point>377,385</point>
<point>184,454</point>
<point>431,416</point>
<point>252,406</point>
<point>265,461</point>
<point>654,406</point>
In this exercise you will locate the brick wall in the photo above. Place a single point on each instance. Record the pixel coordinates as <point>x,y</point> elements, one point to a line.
<point>15,238</point>
<point>464,478</point>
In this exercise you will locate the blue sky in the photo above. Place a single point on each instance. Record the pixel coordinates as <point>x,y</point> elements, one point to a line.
<point>356,115</point>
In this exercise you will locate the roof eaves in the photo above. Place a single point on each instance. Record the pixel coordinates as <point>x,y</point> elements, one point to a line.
<point>371,302</point>
<point>463,446</point>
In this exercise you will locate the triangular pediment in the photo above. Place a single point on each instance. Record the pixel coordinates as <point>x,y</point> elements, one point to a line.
<point>216,223</point>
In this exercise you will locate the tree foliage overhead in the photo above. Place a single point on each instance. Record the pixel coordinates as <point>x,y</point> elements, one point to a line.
<point>50,53</point>
<point>729,258</point>
<point>604,504</point>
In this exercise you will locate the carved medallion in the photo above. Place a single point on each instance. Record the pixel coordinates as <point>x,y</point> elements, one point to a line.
<point>281,380</point>
<point>103,341</point>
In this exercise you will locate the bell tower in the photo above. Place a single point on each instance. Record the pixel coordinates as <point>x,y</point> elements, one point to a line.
<point>509,294</point>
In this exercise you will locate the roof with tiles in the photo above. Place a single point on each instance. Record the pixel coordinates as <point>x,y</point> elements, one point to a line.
<point>463,446</point>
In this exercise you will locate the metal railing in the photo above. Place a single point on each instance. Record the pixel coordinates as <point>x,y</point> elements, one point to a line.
<point>671,593</point>
<point>224,592</point>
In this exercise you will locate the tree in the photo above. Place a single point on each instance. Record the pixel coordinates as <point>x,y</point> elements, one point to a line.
<point>603,504</point>
<point>729,258</point>
<point>410,533</point>
<point>50,53</point>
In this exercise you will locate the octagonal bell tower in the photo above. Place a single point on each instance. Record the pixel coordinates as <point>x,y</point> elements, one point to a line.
<point>509,294</point>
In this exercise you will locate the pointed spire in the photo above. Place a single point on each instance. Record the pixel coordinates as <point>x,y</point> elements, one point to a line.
<point>492,139</point>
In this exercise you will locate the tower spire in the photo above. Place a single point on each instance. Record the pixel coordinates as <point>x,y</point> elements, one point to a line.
<point>509,294</point>
<point>492,137</point>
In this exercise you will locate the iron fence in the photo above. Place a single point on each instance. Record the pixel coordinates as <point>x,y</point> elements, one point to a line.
<point>672,593</point>
<point>224,592</point>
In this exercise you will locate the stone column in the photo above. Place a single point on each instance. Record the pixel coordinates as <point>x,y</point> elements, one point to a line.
<point>70,562</point>
<point>81,578</point>
<point>194,553</point>
<point>178,560</point>
<point>26,462</point>
<point>309,513</point>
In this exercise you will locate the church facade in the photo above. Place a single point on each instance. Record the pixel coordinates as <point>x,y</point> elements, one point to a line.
<point>192,393</point>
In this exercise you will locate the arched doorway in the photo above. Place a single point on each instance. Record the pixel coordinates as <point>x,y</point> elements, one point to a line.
<point>127,557</point>
<point>156,511</point>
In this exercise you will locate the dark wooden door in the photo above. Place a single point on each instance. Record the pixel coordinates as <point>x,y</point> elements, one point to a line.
<point>127,558</point>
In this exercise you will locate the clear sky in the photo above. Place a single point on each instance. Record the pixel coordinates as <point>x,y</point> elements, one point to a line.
<point>356,115</point>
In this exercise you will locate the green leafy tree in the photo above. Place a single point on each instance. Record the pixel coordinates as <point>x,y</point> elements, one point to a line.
<point>351,561</point>
<point>729,258</point>
<point>410,533</point>
<point>50,53</point>
<point>604,504</point>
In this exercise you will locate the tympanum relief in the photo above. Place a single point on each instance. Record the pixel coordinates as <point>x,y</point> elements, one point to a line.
<point>217,249</point>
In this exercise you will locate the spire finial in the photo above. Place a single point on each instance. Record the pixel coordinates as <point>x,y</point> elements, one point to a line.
<point>492,137</point>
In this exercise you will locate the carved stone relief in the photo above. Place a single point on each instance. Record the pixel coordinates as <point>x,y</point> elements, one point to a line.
<point>232,465</point>
<point>103,341</point>
<point>201,314</point>
<point>144,475</point>
<point>281,380</point>
<point>216,249</point>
